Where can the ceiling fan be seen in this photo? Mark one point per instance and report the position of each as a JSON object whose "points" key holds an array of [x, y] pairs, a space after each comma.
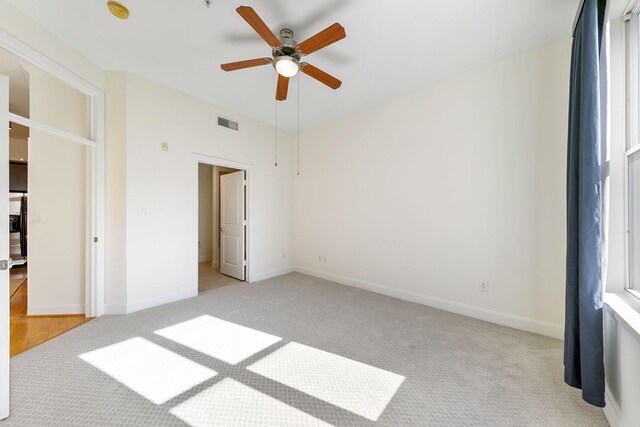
{"points": [[287, 53]]}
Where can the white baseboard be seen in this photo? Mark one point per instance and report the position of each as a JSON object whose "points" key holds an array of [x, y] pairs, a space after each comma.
{"points": [[215, 264], [115, 309], [205, 258], [611, 411], [256, 277], [43, 310], [165, 299], [504, 319]]}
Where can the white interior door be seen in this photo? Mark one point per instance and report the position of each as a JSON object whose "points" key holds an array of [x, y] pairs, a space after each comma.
{"points": [[4, 247], [232, 225]]}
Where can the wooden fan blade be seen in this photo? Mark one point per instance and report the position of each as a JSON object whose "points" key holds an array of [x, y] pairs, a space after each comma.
{"points": [[324, 38], [232, 66], [283, 88], [258, 25], [320, 75]]}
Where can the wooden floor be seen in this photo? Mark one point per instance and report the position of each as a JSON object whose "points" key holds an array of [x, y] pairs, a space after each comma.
{"points": [[29, 331]]}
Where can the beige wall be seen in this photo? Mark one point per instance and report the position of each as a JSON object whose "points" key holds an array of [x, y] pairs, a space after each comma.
{"points": [[57, 200], [427, 196], [28, 31], [18, 150], [116, 194], [162, 250]]}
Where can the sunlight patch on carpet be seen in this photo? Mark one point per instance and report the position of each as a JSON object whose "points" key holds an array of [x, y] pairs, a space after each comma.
{"points": [[218, 338], [231, 403], [357, 387], [152, 371]]}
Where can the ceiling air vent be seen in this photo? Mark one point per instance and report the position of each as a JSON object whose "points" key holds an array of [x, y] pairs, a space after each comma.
{"points": [[227, 123]]}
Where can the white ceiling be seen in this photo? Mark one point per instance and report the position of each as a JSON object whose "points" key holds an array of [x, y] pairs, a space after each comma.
{"points": [[392, 47]]}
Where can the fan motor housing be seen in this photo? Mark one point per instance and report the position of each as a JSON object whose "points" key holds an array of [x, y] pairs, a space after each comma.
{"points": [[289, 45]]}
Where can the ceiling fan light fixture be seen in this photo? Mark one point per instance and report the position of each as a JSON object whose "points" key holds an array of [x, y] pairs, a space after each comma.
{"points": [[286, 66]]}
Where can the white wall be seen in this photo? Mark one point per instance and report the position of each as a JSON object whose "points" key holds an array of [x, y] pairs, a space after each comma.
{"points": [[205, 212], [622, 353], [425, 197], [57, 194], [162, 248]]}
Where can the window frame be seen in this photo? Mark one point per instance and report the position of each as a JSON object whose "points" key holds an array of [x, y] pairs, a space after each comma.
{"points": [[632, 123]]}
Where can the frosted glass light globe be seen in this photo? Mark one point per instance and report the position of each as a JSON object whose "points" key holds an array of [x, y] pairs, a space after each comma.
{"points": [[287, 66]]}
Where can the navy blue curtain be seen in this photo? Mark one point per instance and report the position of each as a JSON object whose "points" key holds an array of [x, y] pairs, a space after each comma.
{"points": [[583, 345]]}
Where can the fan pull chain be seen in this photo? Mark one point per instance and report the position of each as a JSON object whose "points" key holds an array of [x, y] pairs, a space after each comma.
{"points": [[298, 149], [276, 133]]}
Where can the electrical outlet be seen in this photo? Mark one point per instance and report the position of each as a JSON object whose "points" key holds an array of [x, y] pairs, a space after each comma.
{"points": [[319, 258], [324, 258], [284, 255], [484, 287], [165, 146]]}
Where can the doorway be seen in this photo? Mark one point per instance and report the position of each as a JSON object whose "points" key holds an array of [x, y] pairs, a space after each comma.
{"points": [[222, 226], [56, 143], [47, 205]]}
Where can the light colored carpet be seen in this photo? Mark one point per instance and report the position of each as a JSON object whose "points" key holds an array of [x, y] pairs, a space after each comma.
{"points": [[294, 350], [210, 278]]}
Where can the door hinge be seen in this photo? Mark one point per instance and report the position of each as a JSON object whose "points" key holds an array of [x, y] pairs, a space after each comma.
{"points": [[244, 262], [244, 222], [244, 182], [4, 264]]}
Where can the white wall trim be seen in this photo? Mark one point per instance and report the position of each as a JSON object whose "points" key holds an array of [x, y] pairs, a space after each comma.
{"points": [[4, 252], [504, 319], [51, 130], [248, 168], [165, 299], [115, 309], [42, 310], [611, 411], [273, 273]]}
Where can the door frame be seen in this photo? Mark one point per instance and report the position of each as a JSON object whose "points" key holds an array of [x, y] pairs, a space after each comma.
{"points": [[4, 298], [248, 169], [95, 163]]}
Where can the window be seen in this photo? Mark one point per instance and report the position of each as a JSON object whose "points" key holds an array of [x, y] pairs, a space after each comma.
{"points": [[632, 153]]}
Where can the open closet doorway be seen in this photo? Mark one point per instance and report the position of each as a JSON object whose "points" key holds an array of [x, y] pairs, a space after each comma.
{"points": [[222, 226]]}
